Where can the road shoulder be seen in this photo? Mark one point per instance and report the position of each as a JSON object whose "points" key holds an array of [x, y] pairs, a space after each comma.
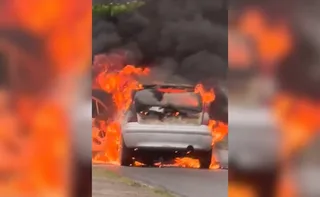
{"points": [[108, 184]]}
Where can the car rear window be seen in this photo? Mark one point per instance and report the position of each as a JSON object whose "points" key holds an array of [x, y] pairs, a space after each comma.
{"points": [[180, 100]]}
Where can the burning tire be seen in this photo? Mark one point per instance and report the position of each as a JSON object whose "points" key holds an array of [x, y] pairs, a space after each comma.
{"points": [[205, 158], [126, 155]]}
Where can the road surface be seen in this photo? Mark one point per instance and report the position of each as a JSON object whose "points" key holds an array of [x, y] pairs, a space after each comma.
{"points": [[181, 181]]}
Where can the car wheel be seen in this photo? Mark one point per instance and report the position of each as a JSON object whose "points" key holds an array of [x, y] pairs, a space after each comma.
{"points": [[126, 155], [205, 159]]}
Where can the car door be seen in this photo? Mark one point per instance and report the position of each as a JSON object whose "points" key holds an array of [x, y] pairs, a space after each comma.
{"points": [[98, 134]]}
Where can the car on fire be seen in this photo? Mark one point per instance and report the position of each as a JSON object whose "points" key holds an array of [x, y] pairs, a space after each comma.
{"points": [[165, 122], [102, 109]]}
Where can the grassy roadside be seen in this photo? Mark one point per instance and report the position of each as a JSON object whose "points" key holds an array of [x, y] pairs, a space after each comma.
{"points": [[105, 174]]}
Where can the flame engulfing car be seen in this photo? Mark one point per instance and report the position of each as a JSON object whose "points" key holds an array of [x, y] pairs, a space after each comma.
{"points": [[102, 109], [164, 122]]}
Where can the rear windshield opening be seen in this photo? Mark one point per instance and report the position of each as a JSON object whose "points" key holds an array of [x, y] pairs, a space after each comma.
{"points": [[180, 108], [182, 100]]}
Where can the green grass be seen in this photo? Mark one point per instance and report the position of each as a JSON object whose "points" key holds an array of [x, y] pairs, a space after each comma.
{"points": [[115, 9], [105, 173]]}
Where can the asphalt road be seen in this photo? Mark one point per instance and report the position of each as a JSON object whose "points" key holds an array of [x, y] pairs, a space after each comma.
{"points": [[181, 181]]}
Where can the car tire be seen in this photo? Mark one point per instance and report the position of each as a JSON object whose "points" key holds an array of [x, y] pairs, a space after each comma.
{"points": [[126, 155], [205, 158]]}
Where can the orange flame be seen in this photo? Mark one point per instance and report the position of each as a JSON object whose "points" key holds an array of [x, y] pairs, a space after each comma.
{"points": [[272, 39], [218, 129], [207, 96], [120, 85], [299, 120]]}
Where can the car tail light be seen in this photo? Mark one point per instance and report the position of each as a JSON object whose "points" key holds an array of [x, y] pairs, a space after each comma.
{"points": [[133, 118]]}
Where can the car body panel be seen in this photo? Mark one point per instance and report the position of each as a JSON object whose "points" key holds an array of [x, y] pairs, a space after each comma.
{"points": [[167, 133], [137, 135]]}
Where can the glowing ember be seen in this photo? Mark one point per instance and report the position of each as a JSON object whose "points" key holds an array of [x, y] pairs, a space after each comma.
{"points": [[137, 163], [187, 162]]}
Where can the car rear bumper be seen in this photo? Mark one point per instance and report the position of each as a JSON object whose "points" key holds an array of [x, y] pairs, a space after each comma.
{"points": [[168, 137]]}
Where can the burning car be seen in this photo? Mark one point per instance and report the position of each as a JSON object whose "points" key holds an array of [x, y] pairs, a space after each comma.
{"points": [[102, 109], [164, 122]]}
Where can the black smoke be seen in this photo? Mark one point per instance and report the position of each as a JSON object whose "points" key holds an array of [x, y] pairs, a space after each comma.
{"points": [[192, 34], [182, 41]]}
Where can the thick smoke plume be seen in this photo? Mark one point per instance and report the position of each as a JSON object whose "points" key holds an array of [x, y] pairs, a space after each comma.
{"points": [[183, 41]]}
